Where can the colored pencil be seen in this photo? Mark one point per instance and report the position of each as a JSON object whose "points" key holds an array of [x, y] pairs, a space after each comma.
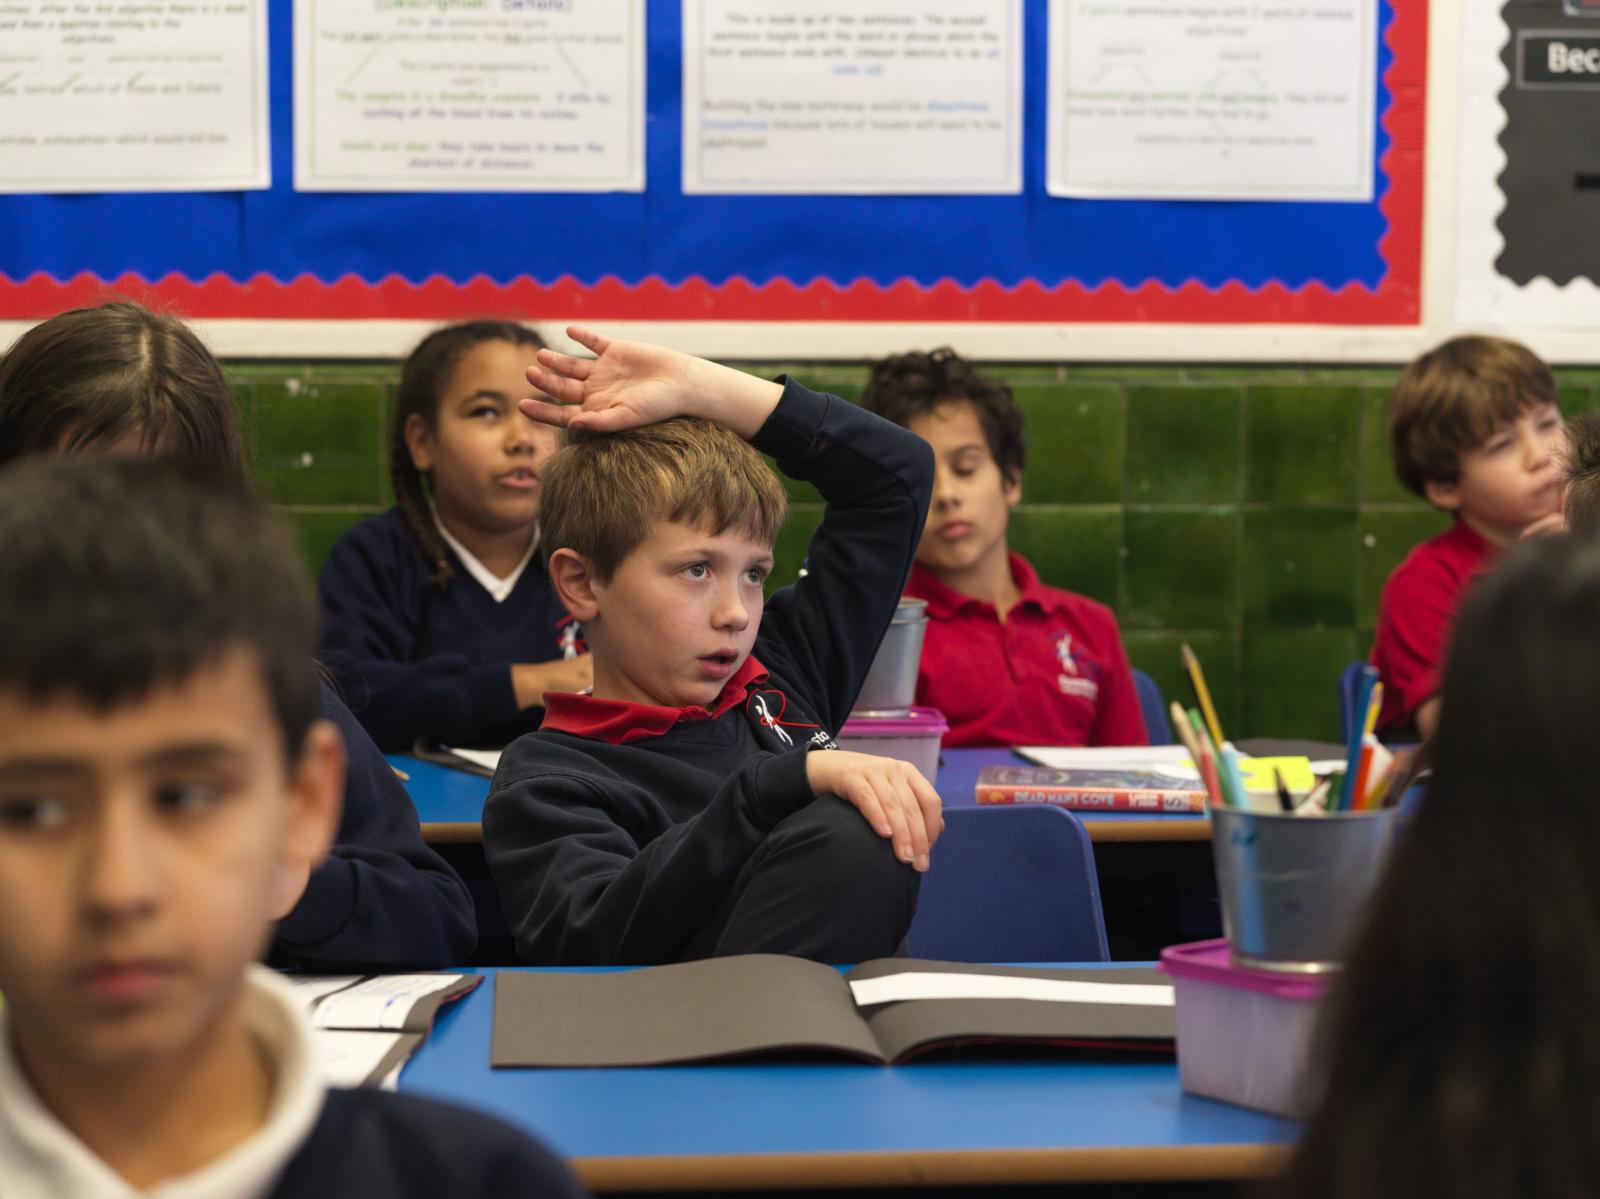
{"points": [[1285, 800], [1358, 729], [1203, 694]]}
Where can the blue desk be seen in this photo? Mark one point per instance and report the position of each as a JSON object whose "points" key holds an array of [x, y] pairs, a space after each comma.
{"points": [[950, 1122], [450, 802]]}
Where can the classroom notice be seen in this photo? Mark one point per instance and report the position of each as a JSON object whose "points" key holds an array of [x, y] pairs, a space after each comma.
{"points": [[817, 97], [1196, 99], [469, 95], [112, 95]]}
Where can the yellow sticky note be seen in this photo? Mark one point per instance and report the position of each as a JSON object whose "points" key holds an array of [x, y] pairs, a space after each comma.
{"points": [[1258, 774]]}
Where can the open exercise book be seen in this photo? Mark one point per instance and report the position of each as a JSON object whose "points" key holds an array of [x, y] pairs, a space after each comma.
{"points": [[368, 1026], [882, 1011]]}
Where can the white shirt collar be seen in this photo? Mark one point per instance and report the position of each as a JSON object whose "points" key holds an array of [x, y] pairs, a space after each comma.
{"points": [[497, 587], [41, 1159]]}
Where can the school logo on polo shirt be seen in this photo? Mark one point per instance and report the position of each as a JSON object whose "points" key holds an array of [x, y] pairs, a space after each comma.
{"points": [[766, 709], [1073, 679]]}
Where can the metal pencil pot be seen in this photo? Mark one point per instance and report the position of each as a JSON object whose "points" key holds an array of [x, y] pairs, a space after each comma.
{"points": [[891, 683]]}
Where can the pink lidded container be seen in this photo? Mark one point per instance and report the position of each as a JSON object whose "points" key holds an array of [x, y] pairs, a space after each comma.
{"points": [[913, 737], [1244, 1036]]}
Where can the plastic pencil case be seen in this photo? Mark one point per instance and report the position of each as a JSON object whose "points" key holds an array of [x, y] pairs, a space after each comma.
{"points": [[1244, 1036], [913, 738]]}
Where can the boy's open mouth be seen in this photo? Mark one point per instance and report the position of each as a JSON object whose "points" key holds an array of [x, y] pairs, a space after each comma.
{"points": [[521, 477]]}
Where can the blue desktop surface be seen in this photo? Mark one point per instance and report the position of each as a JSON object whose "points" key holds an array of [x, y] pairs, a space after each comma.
{"points": [[961, 1118]]}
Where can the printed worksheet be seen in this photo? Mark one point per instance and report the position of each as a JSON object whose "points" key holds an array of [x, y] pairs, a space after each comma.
{"points": [[109, 95], [852, 96]]}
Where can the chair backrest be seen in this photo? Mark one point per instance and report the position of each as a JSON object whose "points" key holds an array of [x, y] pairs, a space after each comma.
{"points": [[1153, 707], [1349, 690], [1010, 884]]}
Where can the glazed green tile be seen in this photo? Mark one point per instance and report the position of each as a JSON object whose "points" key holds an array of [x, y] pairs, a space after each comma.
{"points": [[1299, 444], [1582, 376], [1160, 655], [1183, 445], [1180, 569], [1356, 376], [1251, 376], [1575, 398], [317, 531], [1113, 372], [1074, 442], [789, 551], [1384, 538], [1020, 374], [1379, 484], [1299, 567], [320, 443], [1072, 547], [1289, 682]]}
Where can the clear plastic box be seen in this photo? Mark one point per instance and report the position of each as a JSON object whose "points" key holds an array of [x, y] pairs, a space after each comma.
{"points": [[913, 737], [1244, 1036]]}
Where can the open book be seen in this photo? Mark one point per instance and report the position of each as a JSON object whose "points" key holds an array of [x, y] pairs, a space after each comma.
{"points": [[882, 1011], [473, 761], [367, 1027]]}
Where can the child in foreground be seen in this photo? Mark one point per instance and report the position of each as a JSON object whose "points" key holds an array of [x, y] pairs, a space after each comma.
{"points": [[1007, 659], [695, 803], [439, 619], [1460, 1047], [120, 379], [1475, 430], [165, 790]]}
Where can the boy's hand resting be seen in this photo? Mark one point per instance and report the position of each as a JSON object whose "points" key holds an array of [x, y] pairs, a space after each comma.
{"points": [[530, 680], [893, 797], [630, 383]]}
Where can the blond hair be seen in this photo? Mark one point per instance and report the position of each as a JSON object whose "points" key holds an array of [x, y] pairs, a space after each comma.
{"points": [[601, 495], [1453, 397]]}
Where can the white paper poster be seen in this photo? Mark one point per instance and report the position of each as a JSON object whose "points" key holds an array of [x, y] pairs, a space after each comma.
{"points": [[816, 97], [1192, 99], [469, 95], [158, 95]]}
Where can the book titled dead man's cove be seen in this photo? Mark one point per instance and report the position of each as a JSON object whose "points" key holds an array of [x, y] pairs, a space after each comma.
{"points": [[1088, 790]]}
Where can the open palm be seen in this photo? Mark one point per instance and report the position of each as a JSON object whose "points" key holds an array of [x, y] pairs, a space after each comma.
{"points": [[627, 383]]}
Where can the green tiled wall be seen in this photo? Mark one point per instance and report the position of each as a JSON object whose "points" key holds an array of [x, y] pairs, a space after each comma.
{"points": [[1248, 511]]}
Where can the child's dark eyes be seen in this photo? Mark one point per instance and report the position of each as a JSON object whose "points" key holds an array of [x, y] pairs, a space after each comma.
{"points": [[757, 575], [32, 813], [697, 570], [187, 796]]}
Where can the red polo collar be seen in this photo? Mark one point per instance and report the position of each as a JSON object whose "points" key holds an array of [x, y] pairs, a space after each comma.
{"points": [[945, 601], [619, 721]]}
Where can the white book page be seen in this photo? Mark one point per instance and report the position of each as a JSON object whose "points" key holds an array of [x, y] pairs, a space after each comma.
{"points": [[378, 1003], [346, 1058], [1170, 761], [893, 988], [161, 95], [819, 97], [488, 758], [309, 988]]}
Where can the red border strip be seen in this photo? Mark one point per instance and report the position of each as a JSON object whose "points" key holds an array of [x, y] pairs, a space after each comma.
{"points": [[1396, 301]]}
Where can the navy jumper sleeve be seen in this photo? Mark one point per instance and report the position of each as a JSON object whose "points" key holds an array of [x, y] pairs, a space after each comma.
{"points": [[382, 900]]}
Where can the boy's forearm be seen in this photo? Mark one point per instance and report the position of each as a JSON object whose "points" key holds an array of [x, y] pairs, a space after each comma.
{"points": [[730, 397]]}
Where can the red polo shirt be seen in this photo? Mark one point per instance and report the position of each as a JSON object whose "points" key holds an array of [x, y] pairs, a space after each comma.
{"points": [[1052, 673], [1415, 614]]}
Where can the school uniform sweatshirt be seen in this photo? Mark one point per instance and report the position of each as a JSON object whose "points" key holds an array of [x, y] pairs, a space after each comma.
{"points": [[613, 832], [381, 900], [413, 660]]}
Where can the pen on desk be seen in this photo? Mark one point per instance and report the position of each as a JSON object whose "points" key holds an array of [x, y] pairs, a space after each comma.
{"points": [[400, 774], [1203, 694], [1285, 800]]}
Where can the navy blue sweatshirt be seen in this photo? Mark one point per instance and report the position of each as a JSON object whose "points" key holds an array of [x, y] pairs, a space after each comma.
{"points": [[414, 661], [406, 1147], [614, 831], [382, 900]]}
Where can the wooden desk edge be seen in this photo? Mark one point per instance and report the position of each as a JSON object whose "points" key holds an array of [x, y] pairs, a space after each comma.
{"points": [[1186, 1163], [452, 832]]}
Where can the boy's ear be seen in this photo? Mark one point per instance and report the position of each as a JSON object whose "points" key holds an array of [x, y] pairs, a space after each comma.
{"points": [[1011, 489], [575, 584], [1446, 496], [315, 798], [419, 441]]}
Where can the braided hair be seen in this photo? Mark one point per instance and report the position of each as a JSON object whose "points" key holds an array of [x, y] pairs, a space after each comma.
{"points": [[422, 379]]}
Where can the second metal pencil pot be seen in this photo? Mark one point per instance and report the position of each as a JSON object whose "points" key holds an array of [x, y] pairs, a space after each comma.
{"points": [[1293, 887]]}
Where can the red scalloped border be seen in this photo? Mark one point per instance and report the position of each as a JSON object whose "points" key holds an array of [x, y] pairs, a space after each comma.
{"points": [[1397, 300]]}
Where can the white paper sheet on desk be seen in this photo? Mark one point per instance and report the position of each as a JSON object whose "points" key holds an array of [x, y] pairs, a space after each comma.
{"points": [[489, 759], [350, 1059], [309, 988], [892, 988], [1172, 760], [381, 1002]]}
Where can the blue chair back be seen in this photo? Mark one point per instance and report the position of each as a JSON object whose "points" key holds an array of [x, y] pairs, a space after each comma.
{"points": [[1153, 707], [1349, 690], [1010, 884]]}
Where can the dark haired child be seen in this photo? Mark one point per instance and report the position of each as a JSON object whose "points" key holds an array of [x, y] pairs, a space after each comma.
{"points": [[120, 379], [1582, 501], [1007, 659], [1459, 1048], [439, 619], [166, 787], [1474, 430], [696, 803]]}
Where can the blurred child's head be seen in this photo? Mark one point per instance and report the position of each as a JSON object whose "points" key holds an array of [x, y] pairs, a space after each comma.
{"points": [[457, 425], [661, 541], [117, 378], [1461, 1047], [1583, 474], [164, 785], [975, 428], [1475, 430]]}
